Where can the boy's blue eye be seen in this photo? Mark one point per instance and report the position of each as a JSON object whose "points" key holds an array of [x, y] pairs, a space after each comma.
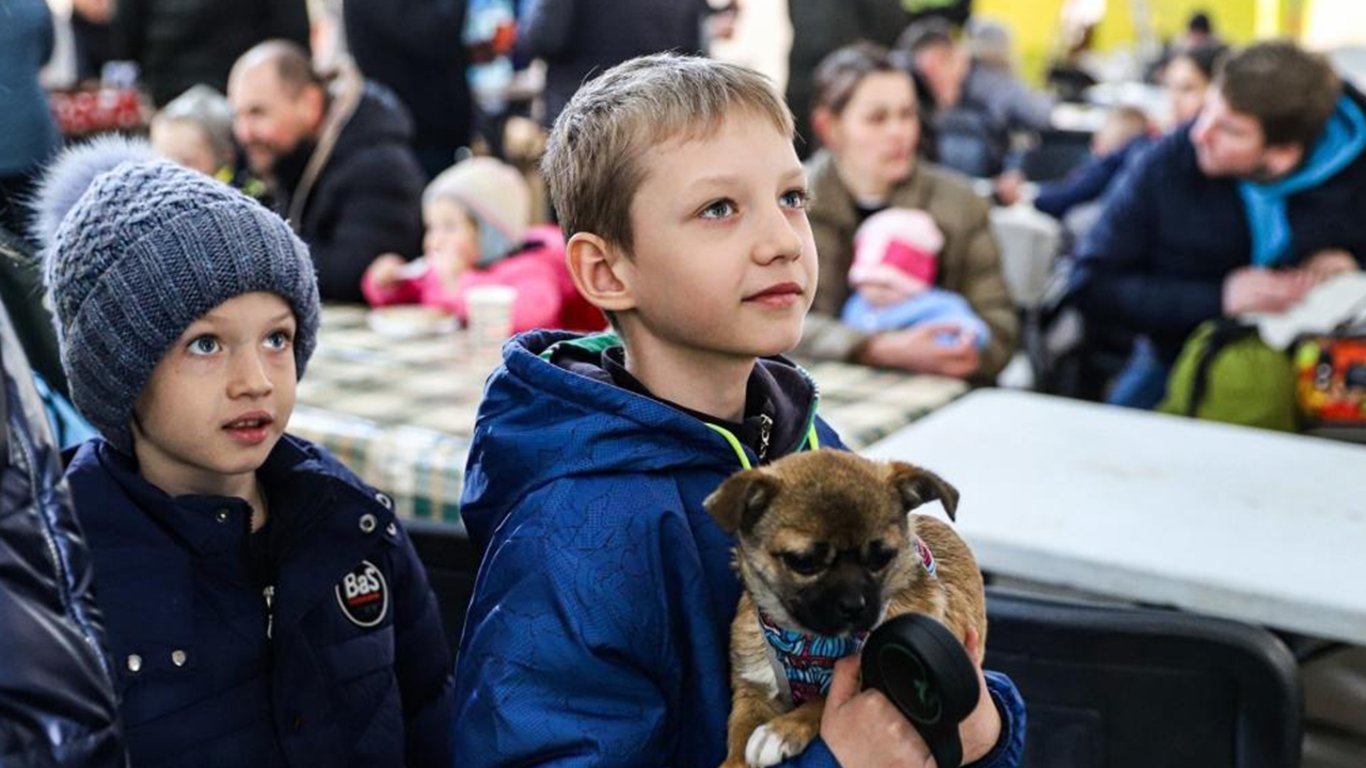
{"points": [[794, 198], [718, 210], [204, 345], [278, 340]]}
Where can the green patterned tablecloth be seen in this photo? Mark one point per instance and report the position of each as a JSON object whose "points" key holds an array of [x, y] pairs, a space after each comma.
{"points": [[400, 412]]}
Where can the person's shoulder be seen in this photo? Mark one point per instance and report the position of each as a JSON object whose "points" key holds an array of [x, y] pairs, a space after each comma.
{"points": [[830, 199], [946, 182], [308, 457], [1169, 156], [947, 195], [88, 466], [585, 517]]}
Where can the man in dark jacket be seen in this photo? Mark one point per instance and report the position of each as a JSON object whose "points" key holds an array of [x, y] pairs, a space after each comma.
{"points": [[1242, 211], [579, 39], [55, 689], [338, 159], [416, 48], [180, 43]]}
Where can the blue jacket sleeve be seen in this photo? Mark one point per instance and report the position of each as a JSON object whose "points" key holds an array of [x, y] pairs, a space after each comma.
{"points": [[422, 664], [567, 656], [1086, 183], [1115, 282], [1009, 749]]}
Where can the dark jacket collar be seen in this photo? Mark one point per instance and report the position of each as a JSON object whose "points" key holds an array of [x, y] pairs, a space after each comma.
{"points": [[290, 477]]}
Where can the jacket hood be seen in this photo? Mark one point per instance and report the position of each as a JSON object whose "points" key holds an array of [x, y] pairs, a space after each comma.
{"points": [[540, 422]]}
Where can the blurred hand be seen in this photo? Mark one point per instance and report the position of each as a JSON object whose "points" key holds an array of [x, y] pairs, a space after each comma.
{"points": [[385, 270], [1008, 187], [94, 11], [1328, 264], [982, 729], [864, 728], [1254, 289], [721, 24], [919, 350]]}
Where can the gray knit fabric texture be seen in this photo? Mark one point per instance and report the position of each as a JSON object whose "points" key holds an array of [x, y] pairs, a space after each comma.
{"points": [[148, 248]]}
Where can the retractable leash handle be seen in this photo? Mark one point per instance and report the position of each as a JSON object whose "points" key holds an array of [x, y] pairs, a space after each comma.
{"points": [[919, 665]]}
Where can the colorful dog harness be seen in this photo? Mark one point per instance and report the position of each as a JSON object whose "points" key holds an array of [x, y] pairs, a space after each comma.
{"points": [[803, 663]]}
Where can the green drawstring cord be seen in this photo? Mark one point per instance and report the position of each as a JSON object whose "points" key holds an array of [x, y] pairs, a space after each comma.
{"points": [[812, 442]]}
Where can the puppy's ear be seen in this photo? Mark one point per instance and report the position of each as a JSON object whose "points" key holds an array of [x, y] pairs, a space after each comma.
{"points": [[741, 500], [918, 486]]}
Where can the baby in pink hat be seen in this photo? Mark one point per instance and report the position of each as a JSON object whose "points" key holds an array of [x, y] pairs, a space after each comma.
{"points": [[896, 259]]}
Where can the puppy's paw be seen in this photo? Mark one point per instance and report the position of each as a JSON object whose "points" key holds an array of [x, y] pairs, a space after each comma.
{"points": [[774, 742]]}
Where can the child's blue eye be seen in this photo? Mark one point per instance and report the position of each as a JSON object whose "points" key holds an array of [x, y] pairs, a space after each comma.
{"points": [[204, 345], [718, 210], [794, 198], [278, 340]]}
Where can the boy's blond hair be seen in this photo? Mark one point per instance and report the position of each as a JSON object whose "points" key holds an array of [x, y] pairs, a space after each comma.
{"points": [[592, 161]]}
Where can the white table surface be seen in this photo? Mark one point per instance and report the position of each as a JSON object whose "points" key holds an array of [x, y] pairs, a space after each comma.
{"points": [[1258, 526]]}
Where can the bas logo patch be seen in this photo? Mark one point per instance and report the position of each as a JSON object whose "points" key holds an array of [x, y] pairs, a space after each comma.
{"points": [[363, 595]]}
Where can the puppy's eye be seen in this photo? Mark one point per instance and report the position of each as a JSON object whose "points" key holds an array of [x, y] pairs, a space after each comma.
{"points": [[803, 564], [879, 557]]}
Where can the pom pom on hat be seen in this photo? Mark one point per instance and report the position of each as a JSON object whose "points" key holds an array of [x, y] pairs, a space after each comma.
{"points": [[67, 180], [135, 249]]}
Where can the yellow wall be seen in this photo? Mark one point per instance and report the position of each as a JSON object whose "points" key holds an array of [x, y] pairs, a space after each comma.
{"points": [[1035, 23]]}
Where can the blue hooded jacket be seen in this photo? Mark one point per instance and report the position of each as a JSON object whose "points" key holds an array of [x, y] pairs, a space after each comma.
{"points": [[599, 629]]}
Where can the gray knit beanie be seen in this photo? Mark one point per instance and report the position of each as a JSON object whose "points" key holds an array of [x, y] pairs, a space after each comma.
{"points": [[135, 249]]}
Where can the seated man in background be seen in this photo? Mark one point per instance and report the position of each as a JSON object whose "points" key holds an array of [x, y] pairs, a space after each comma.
{"points": [[971, 100], [337, 160], [1243, 211]]}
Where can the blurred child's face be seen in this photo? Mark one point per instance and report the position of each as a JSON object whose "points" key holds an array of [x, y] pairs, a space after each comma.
{"points": [[724, 263], [452, 239], [1187, 85], [885, 294], [219, 399], [185, 144]]}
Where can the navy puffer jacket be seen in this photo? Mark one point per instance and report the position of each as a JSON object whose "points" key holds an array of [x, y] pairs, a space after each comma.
{"points": [[56, 701]]}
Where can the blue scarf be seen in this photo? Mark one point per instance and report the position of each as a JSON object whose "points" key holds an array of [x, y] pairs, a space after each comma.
{"points": [[805, 663], [1342, 140]]}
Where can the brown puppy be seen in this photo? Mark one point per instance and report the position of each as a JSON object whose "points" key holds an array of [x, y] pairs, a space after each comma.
{"points": [[827, 550]]}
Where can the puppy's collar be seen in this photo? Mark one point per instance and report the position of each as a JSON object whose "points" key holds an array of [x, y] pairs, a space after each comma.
{"points": [[803, 664], [926, 557]]}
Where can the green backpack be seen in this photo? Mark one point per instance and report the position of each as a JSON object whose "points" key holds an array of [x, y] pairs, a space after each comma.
{"points": [[1227, 373]]}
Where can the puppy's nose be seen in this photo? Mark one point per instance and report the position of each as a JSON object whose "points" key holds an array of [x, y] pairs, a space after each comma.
{"points": [[851, 606]]}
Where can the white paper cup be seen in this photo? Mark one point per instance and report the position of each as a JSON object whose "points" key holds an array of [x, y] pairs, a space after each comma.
{"points": [[489, 323]]}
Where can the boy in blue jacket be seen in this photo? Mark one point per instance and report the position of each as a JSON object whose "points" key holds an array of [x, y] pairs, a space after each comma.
{"points": [[599, 629], [263, 606]]}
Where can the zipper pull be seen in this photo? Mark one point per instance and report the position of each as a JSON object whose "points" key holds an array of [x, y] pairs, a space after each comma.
{"points": [[765, 432], [269, 594]]}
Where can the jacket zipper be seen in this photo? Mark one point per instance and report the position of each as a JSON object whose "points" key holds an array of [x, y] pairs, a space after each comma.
{"points": [[765, 432], [269, 594]]}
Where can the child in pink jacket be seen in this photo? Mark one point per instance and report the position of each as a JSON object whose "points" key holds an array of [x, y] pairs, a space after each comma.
{"points": [[477, 234]]}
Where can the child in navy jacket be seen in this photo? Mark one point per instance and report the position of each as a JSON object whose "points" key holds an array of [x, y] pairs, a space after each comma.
{"points": [[264, 607]]}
